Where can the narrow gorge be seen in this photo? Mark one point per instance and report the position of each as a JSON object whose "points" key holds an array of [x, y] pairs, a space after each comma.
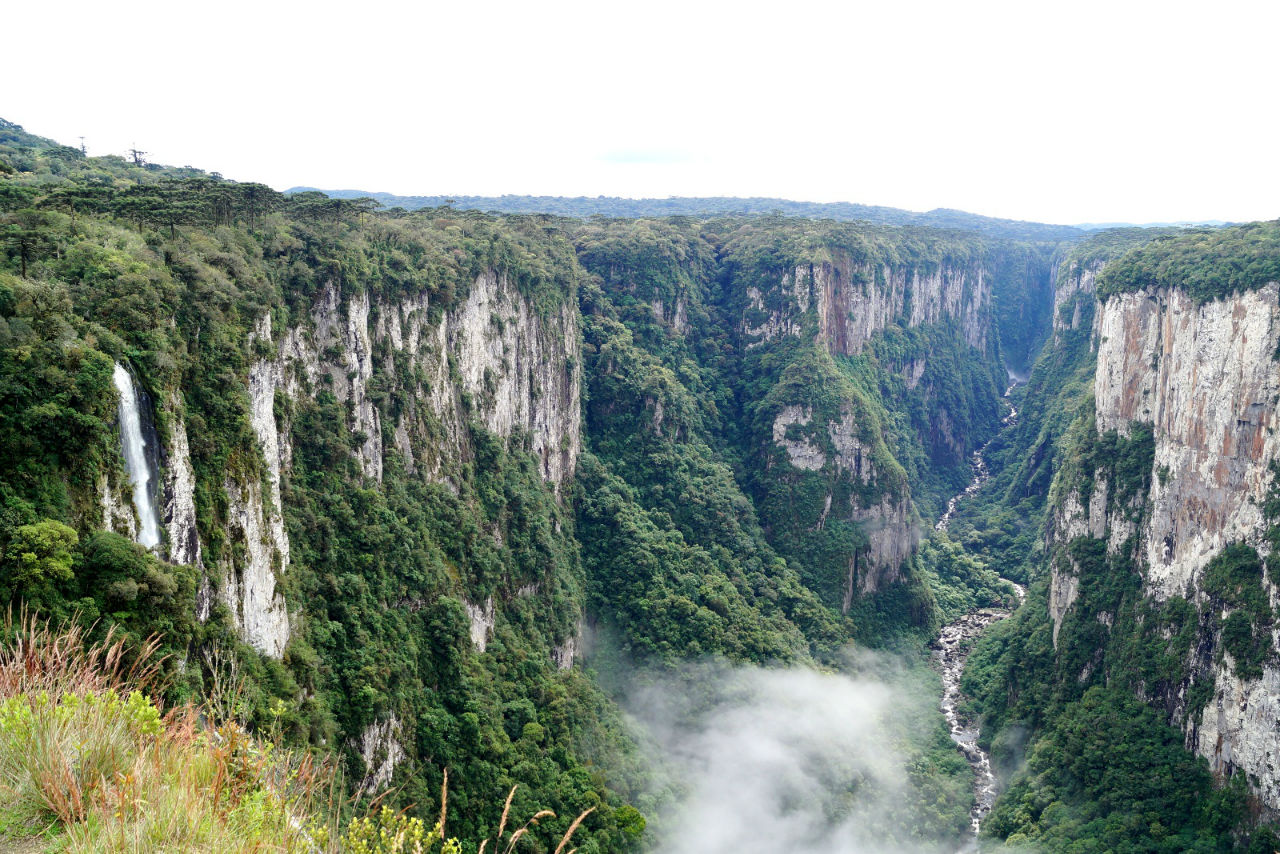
{"points": [[953, 644], [575, 504]]}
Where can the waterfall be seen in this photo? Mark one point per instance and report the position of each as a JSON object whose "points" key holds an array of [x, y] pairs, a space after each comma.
{"points": [[139, 458]]}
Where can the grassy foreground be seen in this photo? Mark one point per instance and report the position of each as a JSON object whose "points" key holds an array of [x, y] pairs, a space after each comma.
{"points": [[89, 762]]}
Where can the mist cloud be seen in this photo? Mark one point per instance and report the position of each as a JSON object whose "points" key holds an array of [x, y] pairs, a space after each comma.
{"points": [[773, 760]]}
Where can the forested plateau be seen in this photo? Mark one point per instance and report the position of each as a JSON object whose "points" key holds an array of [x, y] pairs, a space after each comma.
{"points": [[442, 490]]}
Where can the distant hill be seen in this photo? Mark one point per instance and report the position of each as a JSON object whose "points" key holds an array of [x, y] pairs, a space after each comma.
{"points": [[611, 206], [1199, 223]]}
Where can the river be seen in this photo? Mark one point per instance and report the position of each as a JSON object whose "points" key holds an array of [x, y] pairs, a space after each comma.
{"points": [[951, 651], [981, 474]]}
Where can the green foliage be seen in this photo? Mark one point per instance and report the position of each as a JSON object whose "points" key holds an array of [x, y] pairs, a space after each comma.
{"points": [[959, 581], [687, 532], [381, 576], [606, 206], [672, 545], [1233, 581], [38, 556], [671, 598], [1004, 522], [390, 832], [131, 589], [1022, 288], [793, 500], [1090, 709], [173, 276], [1111, 772], [1207, 264]]}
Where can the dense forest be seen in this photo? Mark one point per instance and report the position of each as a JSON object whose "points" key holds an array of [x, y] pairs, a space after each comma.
{"points": [[608, 206], [442, 490]]}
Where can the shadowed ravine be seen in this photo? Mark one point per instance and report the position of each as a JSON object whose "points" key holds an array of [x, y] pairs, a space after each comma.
{"points": [[980, 471], [951, 651]]}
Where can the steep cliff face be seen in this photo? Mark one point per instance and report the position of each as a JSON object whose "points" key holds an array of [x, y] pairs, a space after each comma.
{"points": [[1201, 377], [1205, 378], [897, 336], [251, 572], [175, 493], [249, 575], [1074, 287], [179, 504], [367, 428], [886, 519], [852, 302], [117, 509], [381, 750], [491, 359], [497, 361]]}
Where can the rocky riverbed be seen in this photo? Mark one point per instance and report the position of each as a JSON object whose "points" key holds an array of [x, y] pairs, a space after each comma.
{"points": [[951, 650]]}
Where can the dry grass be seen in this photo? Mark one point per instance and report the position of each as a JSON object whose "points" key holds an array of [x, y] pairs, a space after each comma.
{"points": [[90, 763], [34, 658], [85, 754]]}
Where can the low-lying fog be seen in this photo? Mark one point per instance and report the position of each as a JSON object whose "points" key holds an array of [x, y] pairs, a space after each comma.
{"points": [[795, 760]]}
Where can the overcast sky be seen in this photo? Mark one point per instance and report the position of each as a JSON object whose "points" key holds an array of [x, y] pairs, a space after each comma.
{"points": [[1087, 111]]}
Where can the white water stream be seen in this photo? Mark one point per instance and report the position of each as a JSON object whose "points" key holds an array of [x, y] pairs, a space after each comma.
{"points": [[951, 651], [134, 445]]}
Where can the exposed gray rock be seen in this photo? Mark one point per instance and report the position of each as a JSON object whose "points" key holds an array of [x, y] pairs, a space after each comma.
{"points": [[1204, 378], [179, 511], [564, 654], [802, 454], [381, 749], [855, 301], [249, 588], [482, 619], [117, 510]]}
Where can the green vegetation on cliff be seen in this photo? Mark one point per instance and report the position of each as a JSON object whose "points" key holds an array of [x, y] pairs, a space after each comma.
{"points": [[1085, 692], [722, 206], [1208, 264], [774, 411]]}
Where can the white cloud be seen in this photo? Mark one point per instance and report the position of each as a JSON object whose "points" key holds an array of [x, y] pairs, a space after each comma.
{"points": [[782, 760]]}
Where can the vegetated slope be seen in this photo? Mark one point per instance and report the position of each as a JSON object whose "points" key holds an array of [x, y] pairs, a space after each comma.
{"points": [[371, 484], [1207, 264], [608, 206], [1148, 628], [1004, 524], [90, 763], [406, 457], [413, 607], [802, 386]]}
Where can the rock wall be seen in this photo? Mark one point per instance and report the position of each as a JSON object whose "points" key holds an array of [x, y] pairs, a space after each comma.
{"points": [[888, 522], [1205, 378], [844, 305], [381, 749], [481, 618], [854, 302], [1073, 518], [1074, 286], [117, 507], [178, 511], [249, 570], [492, 359], [495, 360], [176, 494]]}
